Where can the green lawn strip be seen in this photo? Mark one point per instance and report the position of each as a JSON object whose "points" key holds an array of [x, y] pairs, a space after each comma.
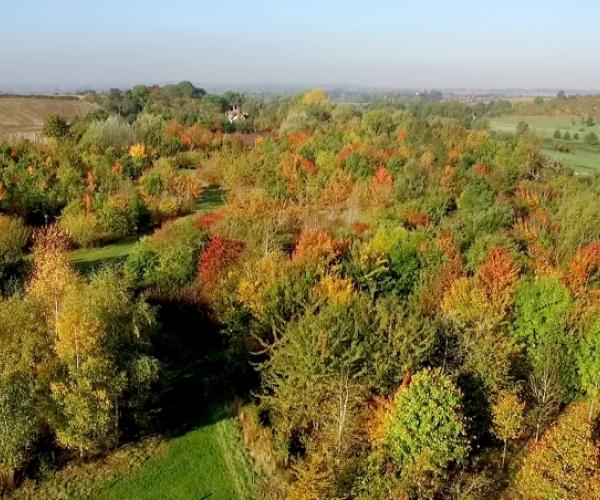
{"points": [[86, 259], [207, 462]]}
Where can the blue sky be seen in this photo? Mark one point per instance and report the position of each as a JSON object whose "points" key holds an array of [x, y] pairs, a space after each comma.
{"points": [[460, 43]]}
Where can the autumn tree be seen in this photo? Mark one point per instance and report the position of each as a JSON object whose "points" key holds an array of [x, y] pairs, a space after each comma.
{"points": [[564, 463], [52, 275], [508, 418], [99, 333]]}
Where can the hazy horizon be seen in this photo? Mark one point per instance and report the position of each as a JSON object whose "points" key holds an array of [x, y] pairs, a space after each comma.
{"points": [[387, 44]]}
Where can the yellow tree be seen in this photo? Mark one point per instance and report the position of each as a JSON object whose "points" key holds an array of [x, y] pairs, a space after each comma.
{"points": [[564, 463], [52, 275], [508, 418]]}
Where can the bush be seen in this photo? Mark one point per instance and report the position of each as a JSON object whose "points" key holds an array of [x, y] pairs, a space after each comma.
{"points": [[13, 237], [124, 214], [114, 131], [84, 228], [55, 126], [359, 166], [169, 257], [591, 139]]}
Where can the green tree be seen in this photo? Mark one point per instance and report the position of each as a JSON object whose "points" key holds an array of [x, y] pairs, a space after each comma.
{"points": [[540, 321], [557, 134], [425, 429], [561, 95], [13, 238], [567, 136], [590, 122], [564, 463], [588, 362], [56, 126], [591, 139], [20, 424]]}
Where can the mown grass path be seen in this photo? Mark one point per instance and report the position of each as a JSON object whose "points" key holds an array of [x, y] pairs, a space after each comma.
{"points": [[207, 462], [86, 259]]}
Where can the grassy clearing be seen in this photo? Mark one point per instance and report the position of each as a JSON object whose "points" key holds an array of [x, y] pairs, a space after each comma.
{"points": [[545, 126], [580, 156], [208, 462], [87, 259], [86, 479]]}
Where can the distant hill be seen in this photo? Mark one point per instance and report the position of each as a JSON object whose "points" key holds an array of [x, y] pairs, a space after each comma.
{"points": [[25, 115]]}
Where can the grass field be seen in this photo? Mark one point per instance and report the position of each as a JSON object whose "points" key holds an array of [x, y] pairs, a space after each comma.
{"points": [[581, 157], [208, 462], [87, 258], [25, 116]]}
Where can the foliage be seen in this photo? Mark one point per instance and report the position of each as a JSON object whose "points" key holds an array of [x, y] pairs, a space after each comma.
{"points": [[56, 126], [564, 463], [13, 238], [425, 428]]}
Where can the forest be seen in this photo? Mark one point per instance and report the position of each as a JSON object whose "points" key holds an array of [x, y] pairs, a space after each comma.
{"points": [[393, 300]]}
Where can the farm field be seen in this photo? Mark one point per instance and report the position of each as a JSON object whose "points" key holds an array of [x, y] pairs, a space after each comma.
{"points": [[24, 116], [581, 157]]}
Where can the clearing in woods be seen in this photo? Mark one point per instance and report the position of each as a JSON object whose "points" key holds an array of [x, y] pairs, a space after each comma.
{"points": [[25, 116]]}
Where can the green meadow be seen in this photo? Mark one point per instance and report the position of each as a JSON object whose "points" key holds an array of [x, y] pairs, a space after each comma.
{"points": [[574, 153]]}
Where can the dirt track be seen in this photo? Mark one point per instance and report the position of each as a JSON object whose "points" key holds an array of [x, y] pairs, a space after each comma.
{"points": [[24, 116]]}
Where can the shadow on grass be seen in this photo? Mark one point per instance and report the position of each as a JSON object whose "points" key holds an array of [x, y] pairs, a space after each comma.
{"points": [[198, 382], [210, 198]]}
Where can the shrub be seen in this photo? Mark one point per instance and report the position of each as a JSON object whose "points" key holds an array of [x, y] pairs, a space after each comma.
{"points": [[13, 237], [56, 126], [124, 214], [168, 258], [114, 131], [219, 253], [591, 139], [83, 228]]}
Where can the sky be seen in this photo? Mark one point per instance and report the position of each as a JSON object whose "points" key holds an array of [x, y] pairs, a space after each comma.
{"points": [[380, 43]]}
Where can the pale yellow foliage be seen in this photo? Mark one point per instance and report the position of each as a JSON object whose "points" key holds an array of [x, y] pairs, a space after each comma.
{"points": [[79, 329], [335, 289], [138, 151], [315, 96]]}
